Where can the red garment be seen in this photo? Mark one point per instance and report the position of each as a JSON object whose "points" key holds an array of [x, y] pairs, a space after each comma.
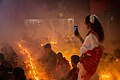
{"points": [[90, 63]]}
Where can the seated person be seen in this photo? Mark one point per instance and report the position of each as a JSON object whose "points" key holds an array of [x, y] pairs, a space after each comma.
{"points": [[49, 60], [10, 55], [5, 68], [19, 74], [62, 67], [73, 74]]}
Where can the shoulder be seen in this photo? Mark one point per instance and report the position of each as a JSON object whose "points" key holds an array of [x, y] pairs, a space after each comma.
{"points": [[95, 35], [65, 60], [92, 37], [52, 52]]}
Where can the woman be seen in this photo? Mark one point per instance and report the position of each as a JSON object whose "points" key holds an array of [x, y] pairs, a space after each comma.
{"points": [[91, 49]]}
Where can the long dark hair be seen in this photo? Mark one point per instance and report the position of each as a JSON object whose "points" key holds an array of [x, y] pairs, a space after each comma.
{"points": [[96, 26]]}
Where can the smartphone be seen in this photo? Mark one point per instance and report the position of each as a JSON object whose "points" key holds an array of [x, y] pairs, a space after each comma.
{"points": [[75, 28]]}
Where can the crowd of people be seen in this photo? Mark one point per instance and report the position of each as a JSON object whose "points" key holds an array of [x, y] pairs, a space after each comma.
{"points": [[8, 65], [55, 65], [91, 51], [83, 66]]}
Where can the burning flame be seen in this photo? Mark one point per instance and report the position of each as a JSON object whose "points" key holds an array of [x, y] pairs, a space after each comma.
{"points": [[53, 42], [33, 70], [105, 77]]}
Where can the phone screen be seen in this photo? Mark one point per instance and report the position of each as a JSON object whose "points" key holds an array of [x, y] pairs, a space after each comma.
{"points": [[75, 28]]}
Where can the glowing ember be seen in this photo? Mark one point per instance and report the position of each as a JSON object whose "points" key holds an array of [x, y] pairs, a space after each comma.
{"points": [[116, 60], [105, 76], [30, 63], [52, 42]]}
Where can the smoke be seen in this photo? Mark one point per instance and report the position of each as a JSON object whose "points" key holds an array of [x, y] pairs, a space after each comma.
{"points": [[9, 20], [38, 22], [14, 12], [51, 25]]}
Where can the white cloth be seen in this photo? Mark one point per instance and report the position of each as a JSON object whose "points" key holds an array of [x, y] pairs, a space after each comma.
{"points": [[82, 71], [90, 43]]}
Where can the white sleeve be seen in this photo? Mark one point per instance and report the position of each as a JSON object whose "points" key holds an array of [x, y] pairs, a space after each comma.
{"points": [[90, 43]]}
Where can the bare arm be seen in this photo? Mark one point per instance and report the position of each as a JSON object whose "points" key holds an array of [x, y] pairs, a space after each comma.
{"points": [[81, 39], [77, 34]]}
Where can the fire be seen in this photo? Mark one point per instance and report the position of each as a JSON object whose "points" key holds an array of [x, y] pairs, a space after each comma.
{"points": [[53, 42], [105, 77], [33, 72]]}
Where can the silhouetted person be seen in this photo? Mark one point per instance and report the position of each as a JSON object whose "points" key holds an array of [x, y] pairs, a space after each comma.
{"points": [[91, 49], [10, 54], [62, 67], [19, 74], [49, 59], [73, 74], [5, 68]]}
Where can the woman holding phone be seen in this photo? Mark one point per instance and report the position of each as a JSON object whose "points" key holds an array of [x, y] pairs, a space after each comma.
{"points": [[91, 49]]}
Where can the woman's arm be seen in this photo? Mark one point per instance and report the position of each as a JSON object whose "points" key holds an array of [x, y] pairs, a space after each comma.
{"points": [[81, 39], [77, 34]]}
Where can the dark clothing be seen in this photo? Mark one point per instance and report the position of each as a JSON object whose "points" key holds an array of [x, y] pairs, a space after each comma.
{"points": [[23, 77], [7, 64], [50, 61], [19, 74], [10, 55], [4, 72], [61, 69], [73, 74]]}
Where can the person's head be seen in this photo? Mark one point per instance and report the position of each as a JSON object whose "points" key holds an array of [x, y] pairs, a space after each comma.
{"points": [[74, 60], [93, 23], [2, 58], [19, 73], [117, 53], [59, 56], [4, 49], [47, 48]]}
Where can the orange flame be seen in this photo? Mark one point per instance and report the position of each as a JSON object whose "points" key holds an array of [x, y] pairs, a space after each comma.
{"points": [[105, 77], [33, 70]]}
